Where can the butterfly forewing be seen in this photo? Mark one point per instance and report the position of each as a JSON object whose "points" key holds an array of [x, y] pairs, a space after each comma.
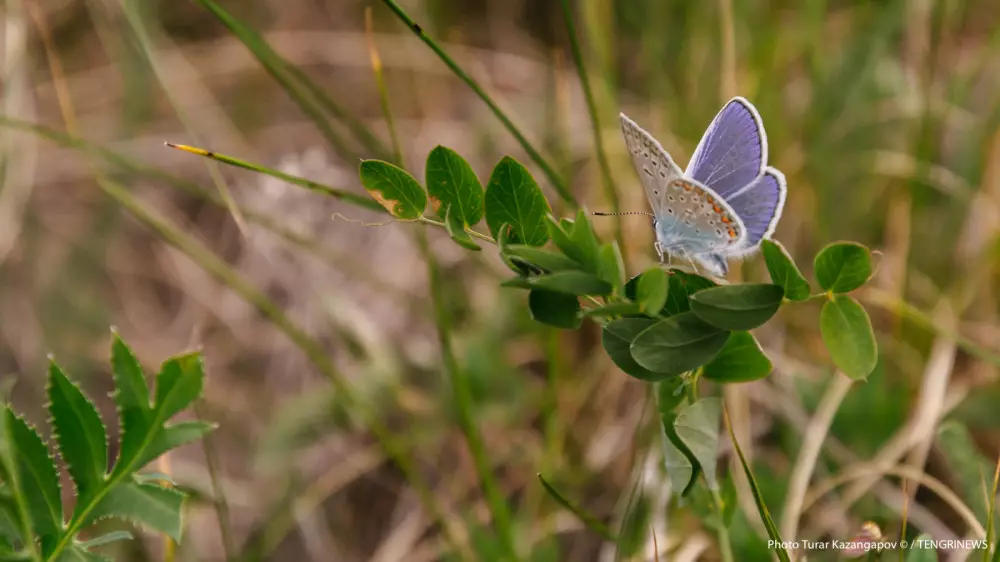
{"points": [[655, 167], [733, 151]]}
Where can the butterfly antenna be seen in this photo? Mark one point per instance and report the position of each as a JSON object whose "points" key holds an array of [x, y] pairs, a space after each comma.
{"points": [[622, 213]]}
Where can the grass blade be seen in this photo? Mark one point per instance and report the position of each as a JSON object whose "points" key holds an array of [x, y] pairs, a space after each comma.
{"points": [[765, 515], [587, 519]]}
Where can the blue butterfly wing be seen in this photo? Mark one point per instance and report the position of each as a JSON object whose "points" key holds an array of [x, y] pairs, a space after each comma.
{"points": [[759, 205], [733, 151]]}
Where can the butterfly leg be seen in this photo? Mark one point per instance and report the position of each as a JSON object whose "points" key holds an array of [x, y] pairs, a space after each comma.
{"points": [[693, 266], [659, 250]]}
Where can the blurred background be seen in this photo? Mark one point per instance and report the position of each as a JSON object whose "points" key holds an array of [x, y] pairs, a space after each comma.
{"points": [[884, 116]]}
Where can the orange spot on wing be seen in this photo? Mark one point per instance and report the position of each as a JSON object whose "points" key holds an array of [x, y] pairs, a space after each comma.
{"points": [[715, 207], [725, 220], [732, 233]]}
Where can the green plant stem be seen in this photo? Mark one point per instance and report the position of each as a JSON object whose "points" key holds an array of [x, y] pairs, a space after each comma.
{"points": [[725, 546], [610, 191], [219, 495], [312, 349], [464, 405], [557, 182]]}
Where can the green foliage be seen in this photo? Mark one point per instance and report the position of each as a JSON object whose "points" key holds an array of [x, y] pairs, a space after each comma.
{"points": [[651, 292], [737, 307], [31, 496], [741, 360], [394, 189], [843, 267], [555, 309], [847, 333], [453, 187], [678, 344], [784, 272], [513, 198]]}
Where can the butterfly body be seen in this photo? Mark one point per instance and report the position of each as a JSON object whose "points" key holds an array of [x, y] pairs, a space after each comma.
{"points": [[725, 203]]}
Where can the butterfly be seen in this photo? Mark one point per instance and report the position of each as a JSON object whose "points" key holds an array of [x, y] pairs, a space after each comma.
{"points": [[725, 203]]}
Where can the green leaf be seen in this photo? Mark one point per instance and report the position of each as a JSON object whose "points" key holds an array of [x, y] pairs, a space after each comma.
{"points": [[682, 286], [394, 189], [784, 272], [513, 197], [678, 344], [848, 335], [682, 467], [651, 293], [171, 437], [737, 307], [458, 233], [614, 309], [132, 398], [38, 479], [587, 519], [729, 499], [697, 426], [922, 553], [610, 266], [503, 238], [584, 239], [572, 283], [80, 434], [741, 360], [554, 309], [178, 384], [78, 553], [560, 235], [617, 336], [517, 283], [842, 267], [635, 527], [670, 394], [150, 505], [544, 259], [453, 185]]}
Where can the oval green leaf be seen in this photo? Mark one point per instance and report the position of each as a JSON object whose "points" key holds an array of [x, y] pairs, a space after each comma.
{"points": [[678, 344], [737, 307], [554, 309], [697, 426], [453, 186], [394, 189], [617, 336], [741, 360], [513, 197], [585, 241], [848, 335], [680, 286], [784, 272], [571, 283], [610, 266], [842, 267], [544, 259], [614, 309], [651, 292]]}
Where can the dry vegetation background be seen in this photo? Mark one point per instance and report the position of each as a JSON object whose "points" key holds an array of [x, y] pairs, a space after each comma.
{"points": [[883, 115]]}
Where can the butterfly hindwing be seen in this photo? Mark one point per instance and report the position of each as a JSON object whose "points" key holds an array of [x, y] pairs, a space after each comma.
{"points": [[733, 151], [696, 220], [655, 167], [759, 206]]}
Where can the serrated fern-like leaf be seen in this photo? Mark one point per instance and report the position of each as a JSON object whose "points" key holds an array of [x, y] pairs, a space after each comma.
{"points": [[147, 504], [178, 384], [132, 399], [38, 478], [79, 432]]}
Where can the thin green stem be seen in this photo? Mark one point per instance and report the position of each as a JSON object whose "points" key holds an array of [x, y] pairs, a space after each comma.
{"points": [[725, 546], [380, 83], [219, 495], [558, 182], [610, 190], [464, 405]]}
